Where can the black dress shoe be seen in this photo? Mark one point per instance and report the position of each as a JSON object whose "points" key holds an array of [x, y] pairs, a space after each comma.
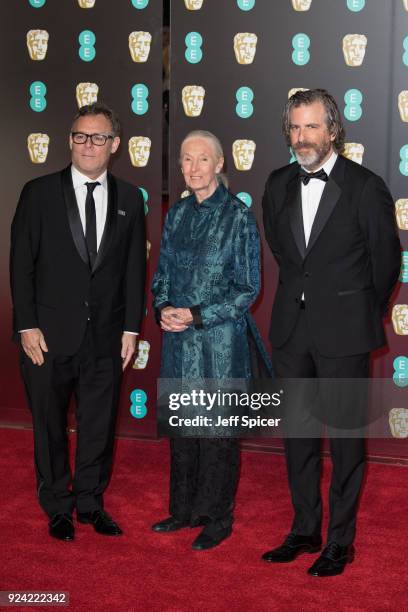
{"points": [[205, 541], [293, 546], [62, 527], [169, 524], [332, 561], [101, 522]]}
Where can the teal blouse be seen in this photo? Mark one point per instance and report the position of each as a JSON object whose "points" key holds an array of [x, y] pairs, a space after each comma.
{"points": [[209, 262]]}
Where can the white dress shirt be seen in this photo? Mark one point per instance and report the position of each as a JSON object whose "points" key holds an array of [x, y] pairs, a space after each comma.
{"points": [[100, 195], [311, 196]]}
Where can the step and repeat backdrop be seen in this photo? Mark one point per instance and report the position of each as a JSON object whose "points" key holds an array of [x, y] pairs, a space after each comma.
{"points": [[233, 66], [58, 55]]}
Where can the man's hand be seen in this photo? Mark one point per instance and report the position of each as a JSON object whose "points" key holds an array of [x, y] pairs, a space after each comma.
{"points": [[34, 345], [175, 319], [128, 348]]}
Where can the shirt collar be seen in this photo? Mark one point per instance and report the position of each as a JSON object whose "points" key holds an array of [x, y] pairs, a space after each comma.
{"points": [[79, 179], [328, 166]]}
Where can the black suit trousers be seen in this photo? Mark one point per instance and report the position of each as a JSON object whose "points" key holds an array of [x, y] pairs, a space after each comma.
{"points": [[299, 358], [95, 383]]}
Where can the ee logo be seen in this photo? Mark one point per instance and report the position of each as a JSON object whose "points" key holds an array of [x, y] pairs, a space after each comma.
{"points": [[246, 5], [193, 53], [139, 94], [140, 4], [87, 40], [37, 3], [300, 54], [404, 268], [400, 376], [138, 400], [145, 199], [244, 97], [405, 54], [38, 91], [355, 5], [403, 167], [245, 198], [353, 99]]}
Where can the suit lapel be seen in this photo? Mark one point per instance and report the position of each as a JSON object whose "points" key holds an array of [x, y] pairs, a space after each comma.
{"points": [[293, 203], [73, 215], [330, 197], [110, 224]]}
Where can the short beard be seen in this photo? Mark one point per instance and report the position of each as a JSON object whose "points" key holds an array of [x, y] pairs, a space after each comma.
{"points": [[312, 159]]}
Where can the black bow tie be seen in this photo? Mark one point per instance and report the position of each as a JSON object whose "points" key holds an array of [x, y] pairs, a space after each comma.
{"points": [[306, 176]]}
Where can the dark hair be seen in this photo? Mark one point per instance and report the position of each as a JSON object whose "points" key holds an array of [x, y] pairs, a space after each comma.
{"points": [[99, 108], [333, 117]]}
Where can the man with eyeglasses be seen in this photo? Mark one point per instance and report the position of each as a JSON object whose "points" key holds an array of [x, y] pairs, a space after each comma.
{"points": [[78, 255]]}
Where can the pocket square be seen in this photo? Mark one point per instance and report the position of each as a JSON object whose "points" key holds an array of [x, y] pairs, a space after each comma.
{"points": [[122, 212]]}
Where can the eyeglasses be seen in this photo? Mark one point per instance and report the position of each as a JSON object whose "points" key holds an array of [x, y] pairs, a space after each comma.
{"points": [[97, 139]]}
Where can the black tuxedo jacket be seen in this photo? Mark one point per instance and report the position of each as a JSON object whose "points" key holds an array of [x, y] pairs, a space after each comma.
{"points": [[351, 263], [53, 287]]}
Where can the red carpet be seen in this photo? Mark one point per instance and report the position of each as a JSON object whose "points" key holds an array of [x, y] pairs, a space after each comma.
{"points": [[147, 571]]}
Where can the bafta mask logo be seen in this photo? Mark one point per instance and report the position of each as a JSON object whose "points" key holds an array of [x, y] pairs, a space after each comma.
{"points": [[301, 5], [403, 105], [193, 100], [354, 151], [139, 150], [243, 152], [85, 4], [400, 319], [401, 212], [193, 5], [354, 48], [38, 147], [398, 420], [86, 93], [245, 47], [37, 44], [139, 46], [294, 90], [142, 355], [148, 249]]}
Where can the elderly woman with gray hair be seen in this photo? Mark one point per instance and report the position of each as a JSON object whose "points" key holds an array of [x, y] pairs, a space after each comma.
{"points": [[207, 278]]}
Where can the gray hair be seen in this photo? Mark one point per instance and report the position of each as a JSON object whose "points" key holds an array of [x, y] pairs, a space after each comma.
{"points": [[333, 117], [216, 145], [99, 108]]}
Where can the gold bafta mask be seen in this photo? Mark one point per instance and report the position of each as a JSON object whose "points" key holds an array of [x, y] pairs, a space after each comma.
{"points": [[86, 3], [243, 152], [398, 420], [354, 48], [86, 93], [148, 248], [400, 319], [37, 44], [354, 151], [193, 5], [294, 90], [139, 46], [245, 47], [139, 150], [403, 104], [38, 147], [193, 100], [401, 212], [142, 355], [301, 5]]}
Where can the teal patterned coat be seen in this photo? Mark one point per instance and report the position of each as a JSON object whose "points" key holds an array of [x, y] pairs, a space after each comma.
{"points": [[209, 262]]}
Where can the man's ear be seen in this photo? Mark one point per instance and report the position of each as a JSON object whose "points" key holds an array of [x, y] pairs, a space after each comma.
{"points": [[115, 144]]}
